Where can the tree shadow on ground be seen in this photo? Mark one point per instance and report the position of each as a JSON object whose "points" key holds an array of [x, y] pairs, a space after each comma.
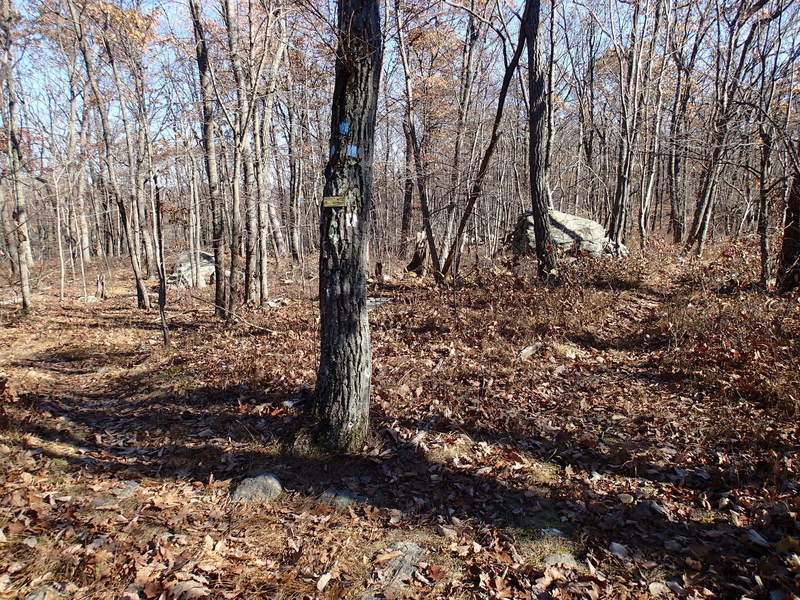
{"points": [[234, 432]]}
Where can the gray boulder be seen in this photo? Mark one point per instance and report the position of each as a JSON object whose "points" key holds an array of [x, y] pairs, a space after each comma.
{"points": [[339, 498], [262, 489], [570, 233], [181, 276]]}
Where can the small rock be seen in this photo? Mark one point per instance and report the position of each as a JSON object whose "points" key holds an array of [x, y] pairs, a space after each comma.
{"points": [[289, 403], [391, 581], [128, 489], [529, 351], [563, 351], [261, 489], [132, 592], [339, 498], [660, 510], [88, 299], [376, 302], [104, 503], [658, 589], [619, 551], [552, 532], [562, 558], [757, 538], [676, 587], [625, 498]]}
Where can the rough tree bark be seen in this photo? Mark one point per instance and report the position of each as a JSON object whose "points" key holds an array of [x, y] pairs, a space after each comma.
{"points": [[537, 147], [345, 367], [789, 272]]}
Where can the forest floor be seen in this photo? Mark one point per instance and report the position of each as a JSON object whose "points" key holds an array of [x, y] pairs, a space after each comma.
{"points": [[630, 433]]}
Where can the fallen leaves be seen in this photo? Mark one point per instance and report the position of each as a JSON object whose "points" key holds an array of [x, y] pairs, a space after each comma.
{"points": [[188, 590], [119, 479], [322, 582]]}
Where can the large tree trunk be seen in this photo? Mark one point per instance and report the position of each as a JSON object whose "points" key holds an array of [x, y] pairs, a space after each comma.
{"points": [[537, 147], [345, 367], [789, 275], [241, 152]]}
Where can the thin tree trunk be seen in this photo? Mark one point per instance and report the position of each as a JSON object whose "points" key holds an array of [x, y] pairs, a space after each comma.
{"points": [[143, 299], [408, 189], [763, 205], [210, 155], [483, 169], [20, 213]]}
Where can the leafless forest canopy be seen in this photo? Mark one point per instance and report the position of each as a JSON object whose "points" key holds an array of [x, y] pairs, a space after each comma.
{"points": [[133, 129]]}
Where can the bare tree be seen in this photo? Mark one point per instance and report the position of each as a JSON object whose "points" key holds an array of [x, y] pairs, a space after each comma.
{"points": [[210, 155], [345, 367], [20, 229], [537, 146]]}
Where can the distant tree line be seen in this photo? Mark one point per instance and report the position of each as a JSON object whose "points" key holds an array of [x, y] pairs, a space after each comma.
{"points": [[132, 131]]}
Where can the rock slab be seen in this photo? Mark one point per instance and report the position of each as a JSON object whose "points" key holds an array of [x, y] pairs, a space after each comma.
{"points": [[563, 559], [339, 498], [181, 276], [262, 489], [570, 233]]}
